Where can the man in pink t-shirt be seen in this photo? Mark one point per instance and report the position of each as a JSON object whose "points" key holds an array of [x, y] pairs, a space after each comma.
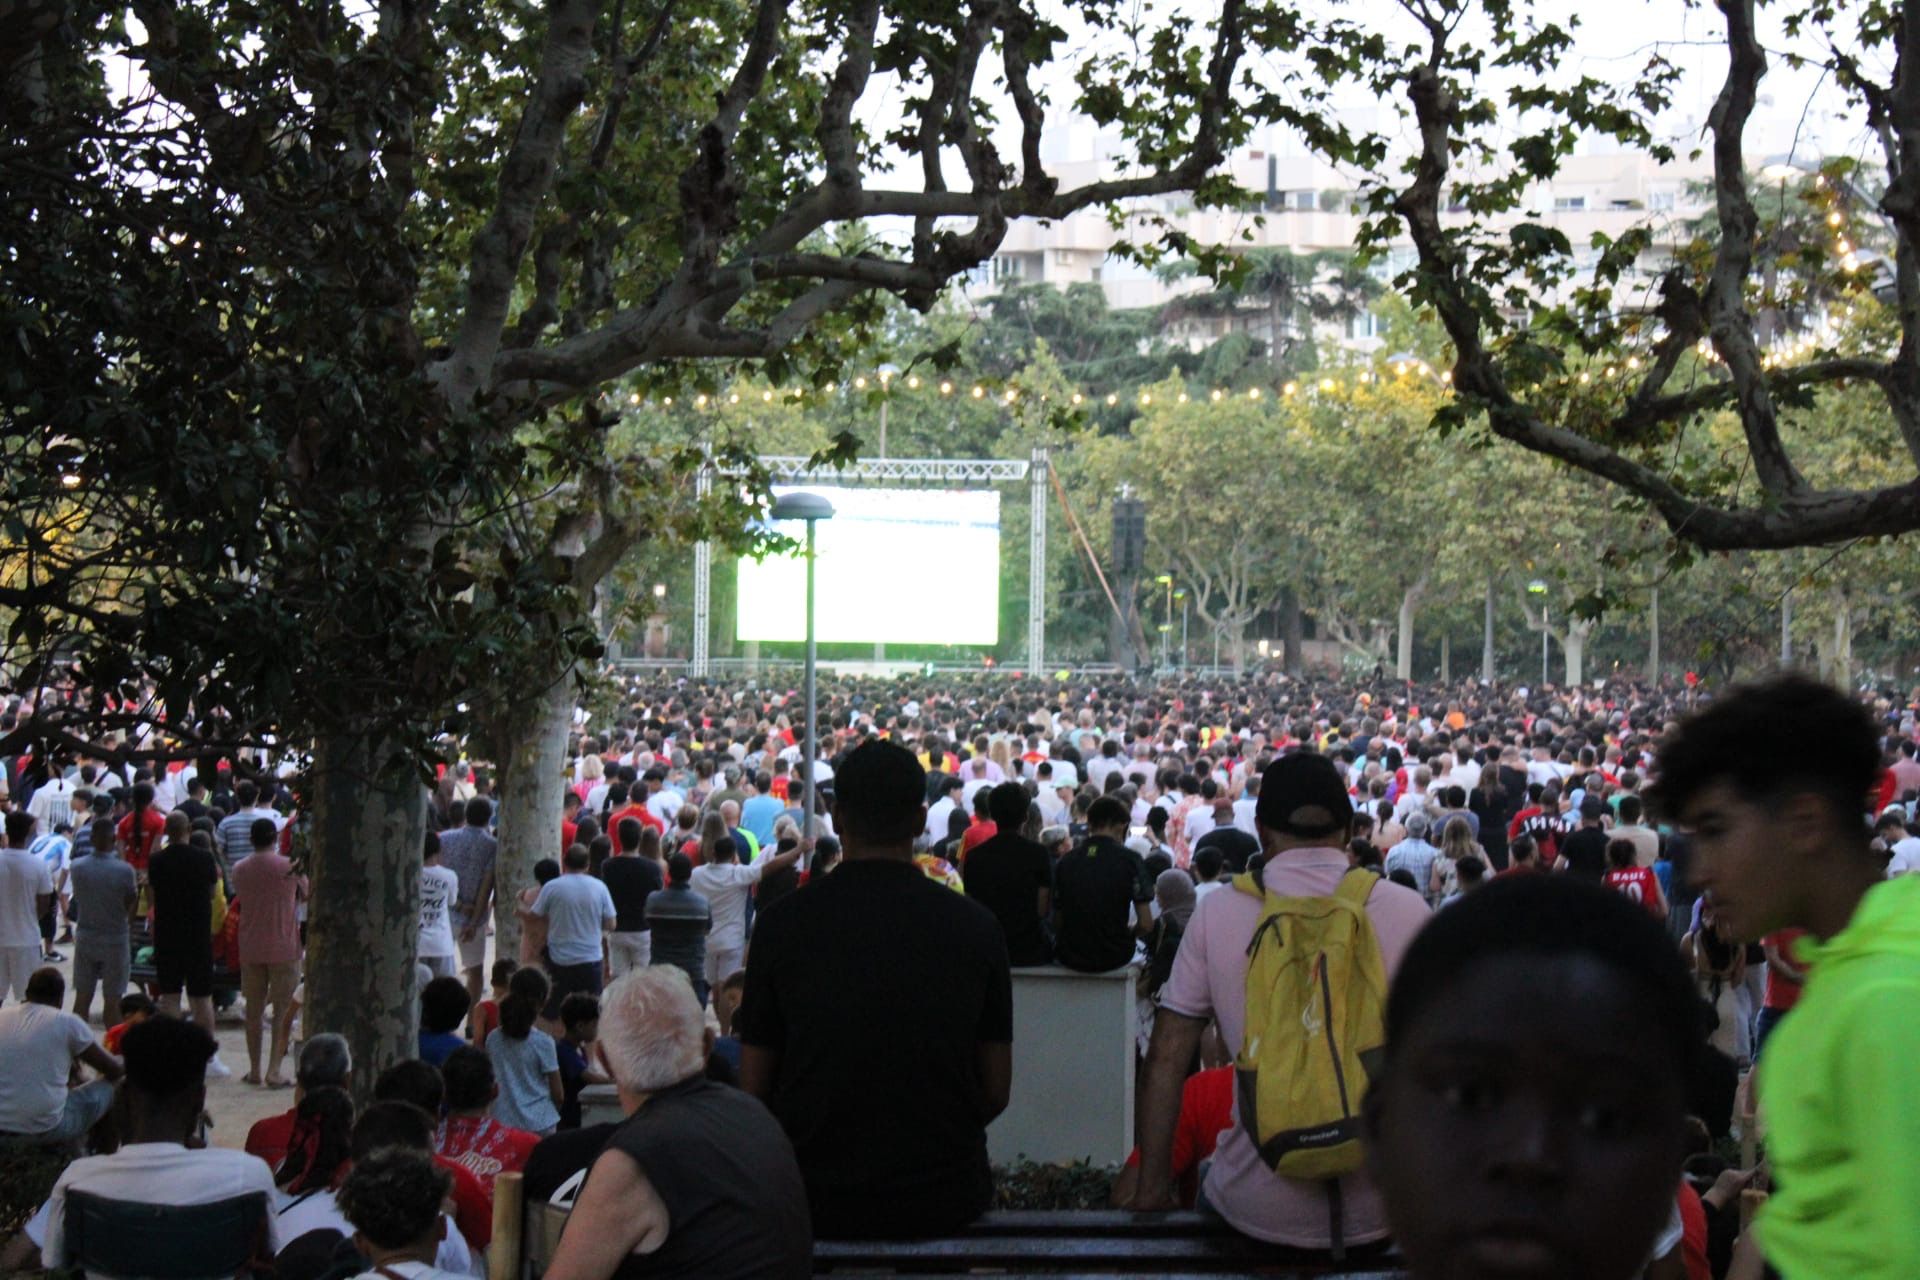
{"points": [[268, 894], [1303, 816]]}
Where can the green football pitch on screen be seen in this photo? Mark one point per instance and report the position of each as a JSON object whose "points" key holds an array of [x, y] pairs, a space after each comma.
{"points": [[893, 566]]}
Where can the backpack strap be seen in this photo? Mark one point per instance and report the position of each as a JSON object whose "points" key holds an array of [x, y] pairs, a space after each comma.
{"points": [[1356, 886]]}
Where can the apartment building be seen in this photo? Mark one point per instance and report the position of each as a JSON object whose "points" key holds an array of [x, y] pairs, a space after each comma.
{"points": [[1307, 206]]}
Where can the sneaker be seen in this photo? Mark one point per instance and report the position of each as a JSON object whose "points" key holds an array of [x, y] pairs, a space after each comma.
{"points": [[218, 1070], [52, 957]]}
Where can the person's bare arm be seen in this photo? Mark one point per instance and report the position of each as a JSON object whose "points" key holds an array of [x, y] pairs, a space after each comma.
{"points": [[757, 1068], [1777, 962], [20, 1256], [1142, 919], [477, 914], [1748, 1262], [101, 1061], [1176, 1038], [555, 1088], [1045, 904], [780, 861], [617, 1215], [1673, 1266], [996, 1075]]}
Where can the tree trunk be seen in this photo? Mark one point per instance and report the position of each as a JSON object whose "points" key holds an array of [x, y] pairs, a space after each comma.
{"points": [[532, 756], [1409, 604], [1575, 644], [1486, 639], [1840, 664], [1293, 633], [369, 824]]}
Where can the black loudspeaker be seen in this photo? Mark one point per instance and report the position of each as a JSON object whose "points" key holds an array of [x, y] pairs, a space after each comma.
{"points": [[1129, 537]]}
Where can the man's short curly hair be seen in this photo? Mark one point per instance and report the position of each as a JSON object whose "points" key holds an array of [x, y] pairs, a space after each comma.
{"points": [[1771, 739], [393, 1196]]}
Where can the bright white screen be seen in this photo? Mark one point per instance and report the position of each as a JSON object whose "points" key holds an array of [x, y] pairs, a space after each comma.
{"points": [[892, 566]]}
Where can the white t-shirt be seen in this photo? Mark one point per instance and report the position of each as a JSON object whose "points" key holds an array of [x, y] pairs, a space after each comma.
{"points": [[665, 804], [439, 887], [1906, 857], [23, 877], [299, 1214], [1199, 822], [38, 1043], [161, 1173], [1243, 815], [578, 909], [725, 887]]}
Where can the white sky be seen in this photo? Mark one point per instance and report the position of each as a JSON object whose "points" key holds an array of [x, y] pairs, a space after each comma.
{"points": [[1801, 110]]}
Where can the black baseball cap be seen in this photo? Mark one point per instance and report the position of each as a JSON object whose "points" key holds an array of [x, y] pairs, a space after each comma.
{"points": [[1302, 795]]}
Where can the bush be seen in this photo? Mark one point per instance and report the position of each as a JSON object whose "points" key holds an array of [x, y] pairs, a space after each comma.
{"points": [[1075, 1184]]}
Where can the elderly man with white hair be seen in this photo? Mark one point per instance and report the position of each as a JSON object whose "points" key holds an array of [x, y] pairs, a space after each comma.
{"points": [[699, 1179]]}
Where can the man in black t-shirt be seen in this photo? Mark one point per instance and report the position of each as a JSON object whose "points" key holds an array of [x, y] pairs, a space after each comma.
{"points": [[877, 1021], [1012, 877], [699, 1180], [181, 876], [1236, 846], [1101, 895], [1584, 853], [630, 879]]}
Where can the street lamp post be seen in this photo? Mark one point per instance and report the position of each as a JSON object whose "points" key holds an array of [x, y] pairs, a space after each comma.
{"points": [[812, 508], [886, 379], [1181, 596], [1539, 588]]}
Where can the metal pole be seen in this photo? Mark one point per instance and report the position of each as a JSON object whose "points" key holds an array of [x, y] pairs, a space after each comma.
{"points": [[1786, 629], [812, 754], [702, 585], [883, 424], [1037, 562], [1486, 643], [1185, 604], [1546, 629], [1653, 646]]}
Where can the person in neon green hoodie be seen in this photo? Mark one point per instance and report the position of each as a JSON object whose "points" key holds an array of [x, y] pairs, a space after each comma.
{"points": [[1773, 783]]}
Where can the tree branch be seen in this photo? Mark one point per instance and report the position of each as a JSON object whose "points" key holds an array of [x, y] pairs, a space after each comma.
{"points": [[1900, 136], [525, 179], [1726, 307]]}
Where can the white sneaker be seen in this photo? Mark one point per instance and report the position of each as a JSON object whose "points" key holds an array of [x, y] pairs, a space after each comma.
{"points": [[218, 1070]]}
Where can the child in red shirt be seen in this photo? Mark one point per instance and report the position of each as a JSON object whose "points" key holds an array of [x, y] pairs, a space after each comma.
{"points": [[486, 1014], [135, 1009], [1637, 883]]}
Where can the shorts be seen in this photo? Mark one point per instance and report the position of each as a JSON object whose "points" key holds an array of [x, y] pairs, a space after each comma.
{"points": [[442, 966], [722, 963], [568, 979], [81, 1111], [628, 951], [108, 964], [473, 952], [16, 966], [188, 968], [269, 984]]}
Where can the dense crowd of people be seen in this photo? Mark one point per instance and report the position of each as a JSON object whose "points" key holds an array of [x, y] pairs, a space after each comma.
{"points": [[1543, 937]]}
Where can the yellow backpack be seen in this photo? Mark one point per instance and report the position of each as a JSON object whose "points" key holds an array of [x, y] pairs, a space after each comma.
{"points": [[1316, 1000]]}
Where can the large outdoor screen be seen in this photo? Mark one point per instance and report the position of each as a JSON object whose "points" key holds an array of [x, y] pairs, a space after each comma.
{"points": [[893, 566]]}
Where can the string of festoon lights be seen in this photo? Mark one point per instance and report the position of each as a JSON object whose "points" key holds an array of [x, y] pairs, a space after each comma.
{"points": [[1829, 198], [889, 383]]}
